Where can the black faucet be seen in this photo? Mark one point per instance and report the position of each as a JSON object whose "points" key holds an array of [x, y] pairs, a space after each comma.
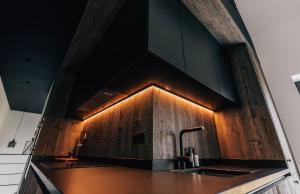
{"points": [[201, 128]]}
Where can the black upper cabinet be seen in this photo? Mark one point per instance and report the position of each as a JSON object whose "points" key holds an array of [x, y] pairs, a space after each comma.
{"points": [[155, 42], [205, 59], [198, 53], [176, 36], [164, 31], [225, 75]]}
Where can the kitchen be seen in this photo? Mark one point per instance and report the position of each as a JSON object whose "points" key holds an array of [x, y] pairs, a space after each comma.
{"points": [[114, 120]]}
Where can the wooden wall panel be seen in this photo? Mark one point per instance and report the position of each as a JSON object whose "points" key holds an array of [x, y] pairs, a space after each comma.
{"points": [[172, 114], [30, 185], [58, 134], [111, 133], [247, 131], [158, 114], [218, 21]]}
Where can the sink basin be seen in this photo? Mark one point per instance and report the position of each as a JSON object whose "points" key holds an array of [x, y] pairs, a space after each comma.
{"points": [[214, 172]]}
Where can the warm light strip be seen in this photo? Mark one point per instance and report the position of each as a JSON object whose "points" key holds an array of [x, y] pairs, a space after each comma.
{"points": [[121, 101], [146, 89], [181, 98]]}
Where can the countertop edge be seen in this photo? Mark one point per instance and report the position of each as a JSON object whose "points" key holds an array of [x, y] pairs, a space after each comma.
{"points": [[44, 181], [257, 183]]}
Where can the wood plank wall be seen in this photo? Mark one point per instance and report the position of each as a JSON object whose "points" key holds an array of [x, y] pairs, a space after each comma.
{"points": [[244, 132], [247, 132], [119, 130], [217, 19], [158, 114], [30, 185], [172, 114], [58, 134]]}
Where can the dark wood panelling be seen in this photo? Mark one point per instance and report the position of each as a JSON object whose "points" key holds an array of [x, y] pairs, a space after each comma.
{"points": [[58, 134], [214, 15], [123, 130], [30, 185], [247, 131], [172, 114], [147, 125]]}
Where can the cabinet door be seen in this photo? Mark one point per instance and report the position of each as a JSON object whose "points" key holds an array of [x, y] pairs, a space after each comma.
{"points": [[197, 43], [164, 31], [224, 74]]}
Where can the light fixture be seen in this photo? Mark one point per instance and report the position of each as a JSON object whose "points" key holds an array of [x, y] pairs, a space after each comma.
{"points": [[12, 143]]}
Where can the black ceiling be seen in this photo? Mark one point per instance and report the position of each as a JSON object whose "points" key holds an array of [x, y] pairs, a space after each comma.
{"points": [[34, 38]]}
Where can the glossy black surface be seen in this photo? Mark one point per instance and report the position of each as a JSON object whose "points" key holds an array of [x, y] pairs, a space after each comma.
{"points": [[34, 38]]}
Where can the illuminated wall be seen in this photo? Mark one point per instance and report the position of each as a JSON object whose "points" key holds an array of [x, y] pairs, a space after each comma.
{"points": [[146, 125], [111, 132]]}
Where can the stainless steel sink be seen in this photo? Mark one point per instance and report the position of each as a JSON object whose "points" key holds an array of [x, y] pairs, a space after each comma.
{"points": [[214, 172]]}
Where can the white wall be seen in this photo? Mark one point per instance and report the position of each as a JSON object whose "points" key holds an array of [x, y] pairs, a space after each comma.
{"points": [[9, 121], [274, 26], [25, 133], [12, 166], [4, 107]]}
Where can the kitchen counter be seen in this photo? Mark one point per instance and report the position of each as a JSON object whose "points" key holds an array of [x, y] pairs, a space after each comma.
{"points": [[124, 180]]}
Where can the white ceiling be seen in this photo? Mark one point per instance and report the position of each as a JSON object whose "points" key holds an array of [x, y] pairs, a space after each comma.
{"points": [[262, 15], [274, 26]]}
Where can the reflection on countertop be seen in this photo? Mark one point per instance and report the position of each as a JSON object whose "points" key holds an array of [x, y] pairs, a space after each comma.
{"points": [[68, 165], [99, 178]]}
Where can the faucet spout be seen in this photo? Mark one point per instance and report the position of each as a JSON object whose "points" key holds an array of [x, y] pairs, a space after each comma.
{"points": [[182, 132]]}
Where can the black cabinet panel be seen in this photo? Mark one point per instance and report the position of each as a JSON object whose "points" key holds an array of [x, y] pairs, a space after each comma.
{"points": [[164, 31], [155, 42], [198, 52], [225, 75]]}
